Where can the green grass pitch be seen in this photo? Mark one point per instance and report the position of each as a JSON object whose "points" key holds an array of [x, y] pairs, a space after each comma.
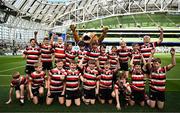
{"points": [[8, 64]]}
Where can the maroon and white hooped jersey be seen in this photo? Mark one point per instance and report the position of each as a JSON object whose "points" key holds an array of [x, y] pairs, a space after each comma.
{"points": [[59, 51], [72, 80], [46, 53], [70, 55], [146, 49], [32, 54], [124, 54], [93, 54], [103, 57], [113, 59], [158, 79], [81, 54], [19, 81], [137, 56], [106, 79], [56, 83], [37, 79], [91, 77], [137, 80]]}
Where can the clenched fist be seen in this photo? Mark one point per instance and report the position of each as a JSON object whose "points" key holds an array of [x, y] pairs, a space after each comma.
{"points": [[105, 29], [73, 27]]}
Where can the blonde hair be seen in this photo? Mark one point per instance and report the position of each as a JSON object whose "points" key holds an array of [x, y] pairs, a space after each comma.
{"points": [[16, 74]]}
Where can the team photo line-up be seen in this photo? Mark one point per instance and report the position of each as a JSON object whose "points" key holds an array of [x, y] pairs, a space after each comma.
{"points": [[92, 74]]}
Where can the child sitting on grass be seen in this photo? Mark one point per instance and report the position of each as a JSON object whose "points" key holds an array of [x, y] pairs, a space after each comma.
{"points": [[18, 82]]}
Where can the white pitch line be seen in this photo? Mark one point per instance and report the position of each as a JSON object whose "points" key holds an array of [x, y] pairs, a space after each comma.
{"points": [[12, 68]]}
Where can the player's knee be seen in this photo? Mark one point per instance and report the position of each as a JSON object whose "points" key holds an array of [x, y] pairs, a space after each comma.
{"points": [[18, 96], [152, 105], [160, 107], [142, 103], [41, 92], [22, 87], [35, 102], [132, 103], [110, 101], [68, 104], [113, 94], [61, 101], [92, 101], [78, 103], [48, 103], [102, 101]]}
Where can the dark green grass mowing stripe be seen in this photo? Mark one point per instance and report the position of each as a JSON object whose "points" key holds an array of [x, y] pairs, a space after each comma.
{"points": [[8, 59], [172, 101], [18, 61], [171, 85], [9, 71], [10, 66], [172, 105]]}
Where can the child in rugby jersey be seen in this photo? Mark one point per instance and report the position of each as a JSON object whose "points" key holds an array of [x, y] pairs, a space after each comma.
{"points": [[137, 55], [56, 82], [158, 80], [114, 61], [59, 49], [70, 55], [47, 52], [36, 84], [89, 79], [32, 56], [121, 92], [72, 92], [124, 55], [94, 52], [18, 83], [103, 57], [137, 81], [81, 53], [105, 83]]}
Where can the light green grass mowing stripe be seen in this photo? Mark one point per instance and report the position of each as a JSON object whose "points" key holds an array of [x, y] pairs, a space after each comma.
{"points": [[11, 69]]}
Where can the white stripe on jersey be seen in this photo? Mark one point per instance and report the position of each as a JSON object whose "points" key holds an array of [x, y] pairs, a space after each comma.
{"points": [[155, 80]]}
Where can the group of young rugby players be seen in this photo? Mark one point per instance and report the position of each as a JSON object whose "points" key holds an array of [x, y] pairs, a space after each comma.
{"points": [[93, 73]]}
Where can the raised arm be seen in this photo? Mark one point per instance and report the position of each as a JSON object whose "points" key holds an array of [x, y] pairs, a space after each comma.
{"points": [[150, 58], [161, 36], [52, 38], [173, 59], [131, 62], [35, 37], [142, 58], [149, 66], [75, 34], [104, 32]]}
